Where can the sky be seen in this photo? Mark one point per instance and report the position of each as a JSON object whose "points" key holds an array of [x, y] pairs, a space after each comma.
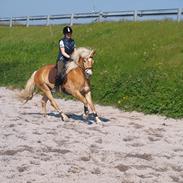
{"points": [[15, 8]]}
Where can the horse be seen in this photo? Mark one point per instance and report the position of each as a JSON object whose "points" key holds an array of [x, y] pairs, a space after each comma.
{"points": [[76, 83]]}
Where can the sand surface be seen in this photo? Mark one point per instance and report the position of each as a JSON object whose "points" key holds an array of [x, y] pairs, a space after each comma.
{"points": [[127, 148]]}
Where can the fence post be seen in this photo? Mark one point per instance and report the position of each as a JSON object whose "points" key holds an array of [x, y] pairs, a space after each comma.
{"points": [[48, 20], [100, 17], [135, 15], [179, 12], [27, 24], [72, 19], [11, 21]]}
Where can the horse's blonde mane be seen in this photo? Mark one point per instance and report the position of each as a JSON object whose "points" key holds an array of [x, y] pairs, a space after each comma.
{"points": [[79, 52]]}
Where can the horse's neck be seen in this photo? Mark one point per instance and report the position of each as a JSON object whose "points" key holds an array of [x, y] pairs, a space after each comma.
{"points": [[70, 66], [73, 65], [80, 63]]}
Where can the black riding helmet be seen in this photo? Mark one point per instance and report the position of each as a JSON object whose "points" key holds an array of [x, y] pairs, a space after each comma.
{"points": [[67, 29]]}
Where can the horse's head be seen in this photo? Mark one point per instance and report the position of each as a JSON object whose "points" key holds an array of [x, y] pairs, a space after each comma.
{"points": [[86, 64]]}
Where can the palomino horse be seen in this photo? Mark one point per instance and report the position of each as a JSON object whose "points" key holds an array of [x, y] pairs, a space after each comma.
{"points": [[76, 83]]}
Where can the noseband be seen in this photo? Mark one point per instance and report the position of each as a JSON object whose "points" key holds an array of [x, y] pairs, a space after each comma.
{"points": [[88, 70]]}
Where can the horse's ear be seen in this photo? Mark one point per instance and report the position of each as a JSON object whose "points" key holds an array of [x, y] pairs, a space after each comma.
{"points": [[92, 53]]}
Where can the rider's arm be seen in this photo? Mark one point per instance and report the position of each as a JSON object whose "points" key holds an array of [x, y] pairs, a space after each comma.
{"points": [[64, 53], [62, 49]]}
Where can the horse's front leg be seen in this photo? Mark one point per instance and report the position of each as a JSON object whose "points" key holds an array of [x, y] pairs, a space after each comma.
{"points": [[86, 112], [90, 103], [81, 98]]}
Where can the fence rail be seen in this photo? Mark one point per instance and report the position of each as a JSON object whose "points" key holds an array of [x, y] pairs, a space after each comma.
{"points": [[99, 16]]}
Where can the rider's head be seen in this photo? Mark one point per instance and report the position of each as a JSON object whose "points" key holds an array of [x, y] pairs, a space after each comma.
{"points": [[67, 31]]}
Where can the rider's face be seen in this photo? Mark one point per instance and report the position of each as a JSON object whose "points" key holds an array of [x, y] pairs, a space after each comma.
{"points": [[68, 35]]}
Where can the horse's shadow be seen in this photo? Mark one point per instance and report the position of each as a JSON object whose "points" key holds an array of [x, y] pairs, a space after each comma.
{"points": [[75, 117]]}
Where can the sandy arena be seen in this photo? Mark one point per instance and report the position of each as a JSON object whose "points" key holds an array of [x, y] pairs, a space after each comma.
{"points": [[127, 148]]}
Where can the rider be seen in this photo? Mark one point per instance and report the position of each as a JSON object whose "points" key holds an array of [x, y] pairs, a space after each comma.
{"points": [[66, 47]]}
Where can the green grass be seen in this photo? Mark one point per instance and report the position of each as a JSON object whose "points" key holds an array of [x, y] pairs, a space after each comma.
{"points": [[138, 65]]}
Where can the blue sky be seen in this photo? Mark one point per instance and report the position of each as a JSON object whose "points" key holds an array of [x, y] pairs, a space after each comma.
{"points": [[10, 8]]}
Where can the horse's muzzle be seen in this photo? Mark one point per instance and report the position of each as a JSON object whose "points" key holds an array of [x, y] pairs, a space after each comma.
{"points": [[88, 73]]}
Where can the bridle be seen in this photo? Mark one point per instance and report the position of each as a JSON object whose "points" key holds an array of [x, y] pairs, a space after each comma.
{"points": [[88, 70]]}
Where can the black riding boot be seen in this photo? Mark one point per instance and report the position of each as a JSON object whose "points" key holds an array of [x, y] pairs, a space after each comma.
{"points": [[57, 84], [59, 76]]}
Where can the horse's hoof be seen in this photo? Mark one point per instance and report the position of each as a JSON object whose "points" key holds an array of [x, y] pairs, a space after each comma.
{"points": [[97, 120], [64, 117], [45, 115], [85, 116]]}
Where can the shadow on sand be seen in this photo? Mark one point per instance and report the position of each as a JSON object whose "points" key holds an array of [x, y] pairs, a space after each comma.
{"points": [[90, 119]]}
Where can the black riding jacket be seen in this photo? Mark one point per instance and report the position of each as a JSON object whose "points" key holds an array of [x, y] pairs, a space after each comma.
{"points": [[69, 45]]}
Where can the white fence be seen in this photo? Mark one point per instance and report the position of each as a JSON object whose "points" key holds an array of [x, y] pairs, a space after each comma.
{"points": [[98, 16]]}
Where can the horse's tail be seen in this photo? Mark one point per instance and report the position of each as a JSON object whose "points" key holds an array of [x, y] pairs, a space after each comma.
{"points": [[27, 93]]}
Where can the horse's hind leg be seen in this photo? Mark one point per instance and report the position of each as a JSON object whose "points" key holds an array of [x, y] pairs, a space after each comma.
{"points": [[48, 94], [55, 105], [43, 104]]}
